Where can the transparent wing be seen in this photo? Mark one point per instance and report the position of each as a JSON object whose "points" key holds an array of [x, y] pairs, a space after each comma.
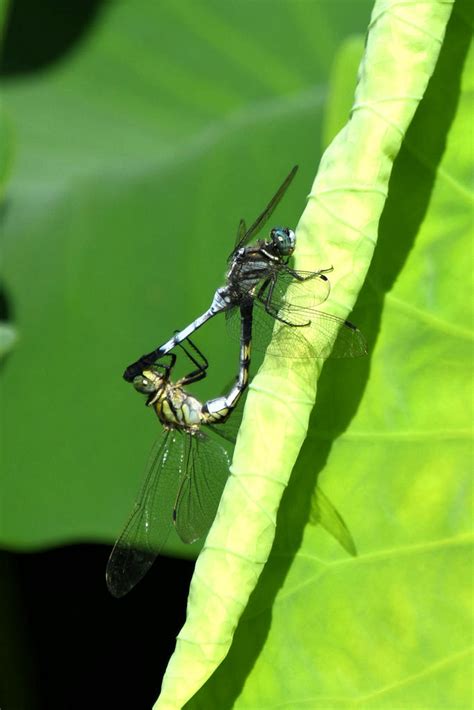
{"points": [[240, 234], [150, 522], [324, 513], [306, 333], [279, 288], [267, 212], [207, 469], [321, 335], [309, 291]]}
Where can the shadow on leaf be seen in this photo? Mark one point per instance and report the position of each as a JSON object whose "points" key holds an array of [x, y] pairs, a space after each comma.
{"points": [[342, 384]]}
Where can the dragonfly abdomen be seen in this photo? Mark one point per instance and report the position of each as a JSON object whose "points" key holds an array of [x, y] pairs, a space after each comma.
{"points": [[219, 409]]}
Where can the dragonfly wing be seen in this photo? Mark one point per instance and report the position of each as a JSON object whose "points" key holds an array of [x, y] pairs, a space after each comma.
{"points": [[263, 218], [207, 469], [150, 522], [241, 230], [262, 327], [290, 343], [276, 338], [312, 291], [319, 335], [302, 333], [324, 513], [349, 341], [309, 290]]}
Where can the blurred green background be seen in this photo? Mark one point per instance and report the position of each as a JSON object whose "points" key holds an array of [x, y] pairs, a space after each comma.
{"points": [[135, 154], [134, 136]]}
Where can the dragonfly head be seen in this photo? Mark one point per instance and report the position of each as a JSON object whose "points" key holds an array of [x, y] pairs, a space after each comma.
{"points": [[283, 240], [150, 382]]}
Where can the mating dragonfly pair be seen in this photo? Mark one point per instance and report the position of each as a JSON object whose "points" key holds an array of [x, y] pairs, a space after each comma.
{"points": [[271, 306]]}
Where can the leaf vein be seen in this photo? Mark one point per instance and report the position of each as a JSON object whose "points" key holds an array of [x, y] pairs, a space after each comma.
{"points": [[430, 669], [427, 317]]}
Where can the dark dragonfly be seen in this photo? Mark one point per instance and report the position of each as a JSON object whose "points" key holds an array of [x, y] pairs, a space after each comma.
{"points": [[261, 274], [187, 468]]}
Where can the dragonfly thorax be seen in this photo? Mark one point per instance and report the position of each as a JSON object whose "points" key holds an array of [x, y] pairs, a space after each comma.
{"points": [[176, 409], [283, 241]]}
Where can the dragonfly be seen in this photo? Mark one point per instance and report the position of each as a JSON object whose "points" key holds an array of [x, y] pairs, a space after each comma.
{"points": [[281, 295], [187, 468]]}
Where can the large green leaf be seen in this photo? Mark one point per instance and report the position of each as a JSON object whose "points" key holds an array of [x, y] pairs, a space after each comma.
{"points": [[136, 157], [390, 441], [139, 154], [321, 631]]}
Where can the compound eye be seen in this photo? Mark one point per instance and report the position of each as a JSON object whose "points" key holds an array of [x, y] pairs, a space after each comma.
{"points": [[278, 234], [284, 240], [143, 384]]}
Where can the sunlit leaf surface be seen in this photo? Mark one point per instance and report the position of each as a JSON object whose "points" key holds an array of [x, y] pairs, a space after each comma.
{"points": [[390, 442]]}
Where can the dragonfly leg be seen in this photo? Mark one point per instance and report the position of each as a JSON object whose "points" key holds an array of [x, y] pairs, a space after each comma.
{"points": [[220, 302], [202, 366], [272, 311], [313, 275], [205, 363], [167, 368], [263, 288]]}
